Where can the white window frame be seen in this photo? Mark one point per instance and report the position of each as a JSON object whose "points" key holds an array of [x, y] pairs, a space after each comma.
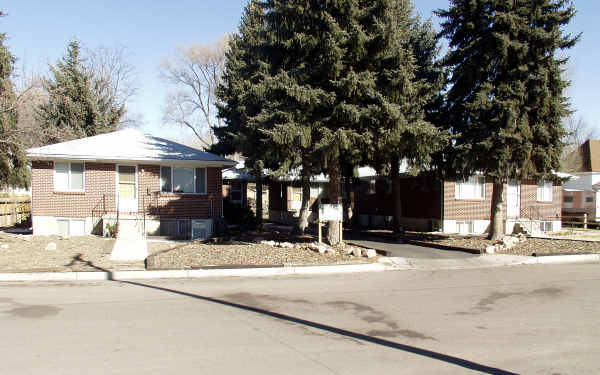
{"points": [[172, 183], [69, 220], [544, 191], [69, 182], [461, 193]]}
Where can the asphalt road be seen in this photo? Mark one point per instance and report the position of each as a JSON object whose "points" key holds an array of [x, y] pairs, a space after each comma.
{"points": [[523, 319]]}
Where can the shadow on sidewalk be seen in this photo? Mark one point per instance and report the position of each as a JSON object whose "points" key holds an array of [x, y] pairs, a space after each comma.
{"points": [[288, 318]]}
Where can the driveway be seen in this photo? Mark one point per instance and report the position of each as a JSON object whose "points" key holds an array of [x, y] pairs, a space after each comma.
{"points": [[394, 249]]}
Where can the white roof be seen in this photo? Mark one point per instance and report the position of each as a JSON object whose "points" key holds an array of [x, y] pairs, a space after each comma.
{"points": [[239, 172], [127, 145]]}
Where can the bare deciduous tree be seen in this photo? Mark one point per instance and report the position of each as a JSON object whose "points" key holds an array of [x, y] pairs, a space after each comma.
{"points": [[114, 79], [194, 74], [578, 131]]}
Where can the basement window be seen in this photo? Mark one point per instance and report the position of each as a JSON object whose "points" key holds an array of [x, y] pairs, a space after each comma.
{"points": [[568, 199], [589, 199], [464, 227]]}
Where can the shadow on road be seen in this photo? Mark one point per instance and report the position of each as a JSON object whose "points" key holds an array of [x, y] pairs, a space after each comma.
{"points": [[355, 335]]}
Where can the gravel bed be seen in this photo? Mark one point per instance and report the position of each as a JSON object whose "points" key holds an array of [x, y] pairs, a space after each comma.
{"points": [[26, 253], [197, 255], [530, 246]]}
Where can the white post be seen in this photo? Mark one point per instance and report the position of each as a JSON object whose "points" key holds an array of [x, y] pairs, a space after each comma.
{"points": [[585, 221]]}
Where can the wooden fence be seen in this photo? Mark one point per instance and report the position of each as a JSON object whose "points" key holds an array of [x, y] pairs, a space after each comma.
{"points": [[579, 221], [14, 209]]}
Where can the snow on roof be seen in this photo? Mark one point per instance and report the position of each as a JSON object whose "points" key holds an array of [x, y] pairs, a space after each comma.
{"points": [[126, 145], [238, 172]]}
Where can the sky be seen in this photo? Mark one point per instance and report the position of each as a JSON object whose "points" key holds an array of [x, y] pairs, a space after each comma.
{"points": [[39, 31]]}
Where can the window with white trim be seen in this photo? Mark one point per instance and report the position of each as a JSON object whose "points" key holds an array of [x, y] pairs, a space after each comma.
{"points": [[69, 176], [470, 188], [544, 191], [182, 180]]}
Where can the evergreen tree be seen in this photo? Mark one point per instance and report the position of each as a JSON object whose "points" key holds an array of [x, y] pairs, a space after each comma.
{"points": [[506, 100], [410, 81], [240, 99], [73, 109], [13, 161]]}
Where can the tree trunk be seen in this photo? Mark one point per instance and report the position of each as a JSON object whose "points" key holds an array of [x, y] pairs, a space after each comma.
{"points": [[348, 199], [497, 224], [305, 208], [258, 173], [333, 228], [396, 195]]}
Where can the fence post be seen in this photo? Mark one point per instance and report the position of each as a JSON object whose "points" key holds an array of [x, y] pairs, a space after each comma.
{"points": [[585, 221]]}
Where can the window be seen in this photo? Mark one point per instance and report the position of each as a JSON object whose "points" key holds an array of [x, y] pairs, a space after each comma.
{"points": [[183, 180], [568, 199], [544, 191], [471, 188], [464, 227], [589, 199], [70, 227], [68, 176]]}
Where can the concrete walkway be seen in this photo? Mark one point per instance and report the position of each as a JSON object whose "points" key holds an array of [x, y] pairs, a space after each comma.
{"points": [[394, 249]]}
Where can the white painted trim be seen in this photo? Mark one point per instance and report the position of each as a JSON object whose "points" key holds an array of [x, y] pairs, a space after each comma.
{"points": [[68, 190]]}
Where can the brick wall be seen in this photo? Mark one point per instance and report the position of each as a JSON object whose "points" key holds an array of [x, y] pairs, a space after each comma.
{"points": [[463, 209], [99, 181], [100, 190], [181, 206]]}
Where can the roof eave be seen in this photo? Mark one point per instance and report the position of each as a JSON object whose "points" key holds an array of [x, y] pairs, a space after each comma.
{"points": [[213, 163]]}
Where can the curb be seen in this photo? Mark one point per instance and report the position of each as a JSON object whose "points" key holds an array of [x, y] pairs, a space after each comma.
{"points": [[388, 264], [197, 273]]}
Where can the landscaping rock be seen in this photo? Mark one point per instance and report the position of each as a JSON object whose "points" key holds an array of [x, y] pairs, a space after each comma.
{"points": [[522, 237], [490, 249], [349, 250], [4, 246], [287, 245], [370, 253], [357, 252], [51, 246], [509, 242], [268, 243]]}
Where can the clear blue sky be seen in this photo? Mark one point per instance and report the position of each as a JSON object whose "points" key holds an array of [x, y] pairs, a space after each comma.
{"points": [[39, 31]]}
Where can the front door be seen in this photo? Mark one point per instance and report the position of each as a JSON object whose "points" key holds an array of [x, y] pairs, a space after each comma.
{"points": [[127, 188], [513, 199]]}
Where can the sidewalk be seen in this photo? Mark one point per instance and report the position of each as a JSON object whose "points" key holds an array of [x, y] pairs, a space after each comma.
{"points": [[383, 264]]}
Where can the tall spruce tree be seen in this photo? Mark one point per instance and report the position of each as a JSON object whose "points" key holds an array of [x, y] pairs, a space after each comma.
{"points": [[13, 162], [73, 109], [506, 101], [240, 98], [410, 81]]}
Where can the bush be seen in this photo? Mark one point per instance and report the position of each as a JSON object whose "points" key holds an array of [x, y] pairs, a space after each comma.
{"points": [[240, 215]]}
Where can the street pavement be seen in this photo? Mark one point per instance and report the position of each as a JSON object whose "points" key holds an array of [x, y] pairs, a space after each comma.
{"points": [[540, 319]]}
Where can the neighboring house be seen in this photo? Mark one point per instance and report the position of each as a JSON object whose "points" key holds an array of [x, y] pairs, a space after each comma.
{"points": [[165, 188], [463, 206], [239, 187], [429, 204], [285, 197], [582, 193]]}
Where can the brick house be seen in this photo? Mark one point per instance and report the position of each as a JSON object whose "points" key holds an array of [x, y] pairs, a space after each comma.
{"points": [[464, 206], [581, 193], [80, 186]]}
